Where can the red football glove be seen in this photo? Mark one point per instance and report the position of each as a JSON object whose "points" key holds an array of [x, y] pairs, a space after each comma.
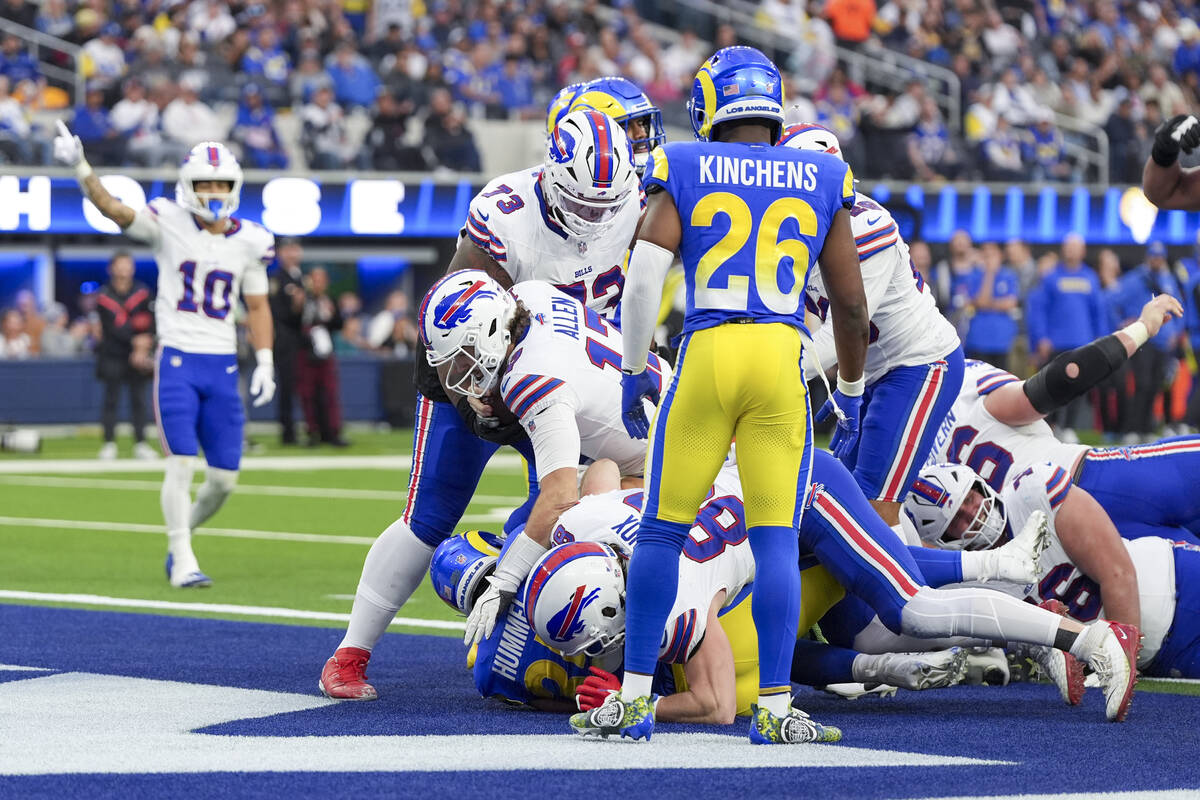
{"points": [[595, 689]]}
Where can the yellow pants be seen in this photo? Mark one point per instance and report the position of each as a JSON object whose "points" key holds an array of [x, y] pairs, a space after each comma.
{"points": [[733, 380]]}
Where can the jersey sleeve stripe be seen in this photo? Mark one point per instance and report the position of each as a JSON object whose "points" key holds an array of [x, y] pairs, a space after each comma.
{"points": [[870, 250], [1057, 499], [870, 236], [681, 636], [540, 390], [520, 386], [992, 383], [483, 238], [1057, 487]]}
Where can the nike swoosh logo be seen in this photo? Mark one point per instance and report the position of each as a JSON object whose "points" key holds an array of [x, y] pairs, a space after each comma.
{"points": [[1121, 633], [482, 215], [873, 221], [231, 370]]}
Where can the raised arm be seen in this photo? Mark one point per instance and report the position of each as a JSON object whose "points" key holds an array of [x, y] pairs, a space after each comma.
{"points": [[1165, 183], [69, 150]]}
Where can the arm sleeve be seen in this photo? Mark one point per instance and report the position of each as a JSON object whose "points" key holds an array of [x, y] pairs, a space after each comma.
{"points": [[648, 265], [555, 437], [144, 227], [482, 231], [254, 281]]}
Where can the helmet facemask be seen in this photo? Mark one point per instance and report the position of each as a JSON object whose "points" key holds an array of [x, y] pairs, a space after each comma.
{"points": [[209, 161], [986, 526]]}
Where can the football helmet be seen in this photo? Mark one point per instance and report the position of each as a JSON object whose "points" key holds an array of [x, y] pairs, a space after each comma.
{"points": [[935, 499], [464, 323], [589, 173], [810, 136], [736, 83], [560, 104], [209, 161], [460, 564], [574, 599], [622, 100]]}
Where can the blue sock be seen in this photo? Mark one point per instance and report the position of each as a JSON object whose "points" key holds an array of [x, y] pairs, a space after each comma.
{"points": [[776, 601], [816, 664], [650, 590], [939, 567]]}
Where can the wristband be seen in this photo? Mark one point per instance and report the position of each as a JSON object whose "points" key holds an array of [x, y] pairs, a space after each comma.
{"points": [[516, 561], [83, 170], [1138, 332], [265, 357], [851, 388]]}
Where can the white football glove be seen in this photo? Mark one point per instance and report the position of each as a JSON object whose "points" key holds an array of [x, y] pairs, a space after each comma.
{"points": [[67, 147], [488, 608], [262, 380]]}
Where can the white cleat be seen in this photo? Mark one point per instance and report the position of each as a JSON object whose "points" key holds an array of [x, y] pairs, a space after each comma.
{"points": [[108, 452], [1018, 561], [185, 573], [144, 452], [913, 671], [1114, 661]]}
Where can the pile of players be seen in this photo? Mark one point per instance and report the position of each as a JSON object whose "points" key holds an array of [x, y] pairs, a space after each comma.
{"points": [[676, 581]]}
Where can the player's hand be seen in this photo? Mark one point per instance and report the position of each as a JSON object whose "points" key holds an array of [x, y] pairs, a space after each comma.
{"points": [[1160, 309], [491, 604], [262, 384], [633, 413], [67, 147], [482, 406], [846, 434], [595, 689], [1181, 132]]}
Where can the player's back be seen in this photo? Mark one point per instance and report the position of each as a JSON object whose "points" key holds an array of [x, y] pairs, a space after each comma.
{"points": [[572, 353], [754, 220]]}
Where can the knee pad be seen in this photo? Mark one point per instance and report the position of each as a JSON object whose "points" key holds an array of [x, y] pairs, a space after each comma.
{"points": [[224, 480]]}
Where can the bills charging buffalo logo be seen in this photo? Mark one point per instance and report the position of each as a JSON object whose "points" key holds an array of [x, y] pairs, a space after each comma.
{"points": [[567, 622], [562, 146], [455, 309]]}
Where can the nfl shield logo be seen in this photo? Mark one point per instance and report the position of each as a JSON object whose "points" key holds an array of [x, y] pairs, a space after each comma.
{"points": [[582, 245]]}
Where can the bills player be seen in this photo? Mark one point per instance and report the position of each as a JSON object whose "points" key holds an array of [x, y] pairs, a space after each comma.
{"points": [[568, 221], [914, 360], [621, 99], [1087, 566], [206, 259], [996, 427]]}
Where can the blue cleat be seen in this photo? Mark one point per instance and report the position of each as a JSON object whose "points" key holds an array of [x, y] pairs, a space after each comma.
{"points": [[634, 719], [795, 728], [186, 578]]}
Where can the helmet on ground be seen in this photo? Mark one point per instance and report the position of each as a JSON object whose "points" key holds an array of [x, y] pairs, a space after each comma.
{"points": [[575, 598], [464, 321], [936, 498], [621, 99], [810, 136], [736, 83], [459, 565], [588, 174], [209, 161]]}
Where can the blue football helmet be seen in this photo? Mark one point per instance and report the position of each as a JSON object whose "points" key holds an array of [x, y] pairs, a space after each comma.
{"points": [[622, 100], [736, 83], [561, 103], [459, 566]]}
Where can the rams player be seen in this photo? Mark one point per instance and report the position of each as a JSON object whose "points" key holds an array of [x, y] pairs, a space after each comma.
{"points": [[749, 220], [621, 99]]}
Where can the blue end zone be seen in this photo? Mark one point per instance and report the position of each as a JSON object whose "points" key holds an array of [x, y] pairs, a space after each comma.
{"points": [[425, 688]]}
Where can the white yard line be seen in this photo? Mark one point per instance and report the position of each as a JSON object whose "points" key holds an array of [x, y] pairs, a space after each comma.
{"points": [[91, 466], [214, 608]]}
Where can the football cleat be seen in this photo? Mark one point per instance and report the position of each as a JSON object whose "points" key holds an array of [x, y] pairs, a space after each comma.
{"points": [[1114, 660], [1017, 561], [186, 576], [633, 719], [345, 675], [795, 727], [986, 666], [913, 671], [853, 691]]}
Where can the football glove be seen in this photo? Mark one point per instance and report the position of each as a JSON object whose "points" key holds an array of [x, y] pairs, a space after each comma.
{"points": [[1181, 132], [595, 689], [67, 147], [262, 380], [846, 434], [488, 608], [633, 413]]}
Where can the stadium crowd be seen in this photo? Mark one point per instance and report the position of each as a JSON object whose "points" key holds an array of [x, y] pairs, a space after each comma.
{"points": [[395, 84]]}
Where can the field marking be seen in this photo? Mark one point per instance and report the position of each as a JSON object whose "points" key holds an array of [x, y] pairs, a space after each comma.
{"points": [[216, 608], [242, 489], [91, 466], [1149, 794]]}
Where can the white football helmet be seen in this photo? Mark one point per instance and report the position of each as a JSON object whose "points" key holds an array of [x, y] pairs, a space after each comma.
{"points": [[209, 161], [935, 499], [589, 173], [464, 322], [575, 599], [810, 136]]}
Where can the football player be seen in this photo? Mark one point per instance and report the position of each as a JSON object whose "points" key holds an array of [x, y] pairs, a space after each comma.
{"points": [[568, 221], [1152, 582], [207, 258], [621, 99], [1165, 182], [996, 427], [748, 220], [914, 361]]}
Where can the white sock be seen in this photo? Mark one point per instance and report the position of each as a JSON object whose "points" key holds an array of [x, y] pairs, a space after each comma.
{"points": [[218, 485], [176, 499], [972, 563], [636, 685], [982, 613], [1087, 642], [778, 704], [395, 567]]}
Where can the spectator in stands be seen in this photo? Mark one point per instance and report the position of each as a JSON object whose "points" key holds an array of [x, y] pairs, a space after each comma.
{"points": [[949, 277], [931, 149], [851, 21], [387, 137], [514, 86], [1002, 158], [1124, 165], [103, 58], [54, 20], [32, 321], [15, 144], [255, 131], [1165, 92], [1019, 259], [287, 306], [267, 64], [211, 21], [308, 78], [187, 120], [993, 303], [316, 365], [354, 81], [814, 56], [123, 355], [1046, 150], [1112, 396], [1001, 41], [447, 136], [1186, 62], [190, 65], [1069, 313], [393, 328], [14, 342], [922, 261], [136, 119], [60, 339], [1014, 100], [323, 136], [94, 127], [16, 63], [838, 112], [681, 60]]}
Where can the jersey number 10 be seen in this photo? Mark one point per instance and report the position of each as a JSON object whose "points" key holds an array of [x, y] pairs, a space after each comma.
{"points": [[216, 282]]}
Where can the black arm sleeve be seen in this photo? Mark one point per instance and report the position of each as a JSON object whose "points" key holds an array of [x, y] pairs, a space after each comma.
{"points": [[1051, 387]]}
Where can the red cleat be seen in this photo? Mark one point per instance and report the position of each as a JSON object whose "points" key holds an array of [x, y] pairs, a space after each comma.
{"points": [[345, 675]]}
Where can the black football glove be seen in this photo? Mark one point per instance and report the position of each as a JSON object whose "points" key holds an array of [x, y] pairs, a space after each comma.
{"points": [[1180, 132]]}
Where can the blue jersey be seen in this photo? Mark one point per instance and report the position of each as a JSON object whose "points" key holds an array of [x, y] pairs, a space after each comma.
{"points": [[754, 221]]}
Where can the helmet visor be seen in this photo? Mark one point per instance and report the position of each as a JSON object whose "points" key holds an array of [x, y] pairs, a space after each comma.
{"points": [[594, 211]]}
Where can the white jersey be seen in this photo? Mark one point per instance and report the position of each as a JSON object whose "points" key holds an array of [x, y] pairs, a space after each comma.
{"points": [[509, 221], [1044, 487], [971, 435], [571, 357], [906, 327], [716, 555], [201, 274]]}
